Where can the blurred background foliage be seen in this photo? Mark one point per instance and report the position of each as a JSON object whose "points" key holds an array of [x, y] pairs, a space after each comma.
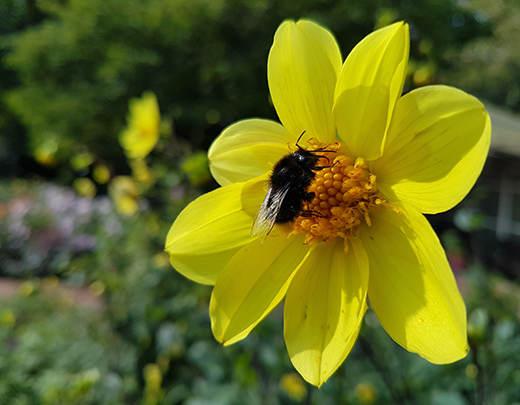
{"points": [[97, 315]]}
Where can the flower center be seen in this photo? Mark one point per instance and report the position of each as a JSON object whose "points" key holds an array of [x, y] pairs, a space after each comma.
{"points": [[343, 196]]}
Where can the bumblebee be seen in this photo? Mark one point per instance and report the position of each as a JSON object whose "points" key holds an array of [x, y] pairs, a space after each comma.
{"points": [[291, 177]]}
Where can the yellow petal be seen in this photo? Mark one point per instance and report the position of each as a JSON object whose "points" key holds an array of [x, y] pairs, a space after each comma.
{"points": [[303, 66], [252, 284], [436, 147], [369, 84], [210, 230], [247, 149], [412, 289], [324, 308]]}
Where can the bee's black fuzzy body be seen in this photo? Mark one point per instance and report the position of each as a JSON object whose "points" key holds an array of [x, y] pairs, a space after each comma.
{"points": [[291, 177], [294, 172]]}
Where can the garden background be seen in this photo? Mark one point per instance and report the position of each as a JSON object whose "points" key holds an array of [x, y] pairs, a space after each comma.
{"points": [[91, 312]]}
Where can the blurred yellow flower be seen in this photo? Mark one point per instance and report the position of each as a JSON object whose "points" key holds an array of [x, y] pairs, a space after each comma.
{"points": [[161, 260], [153, 380], [45, 152], [26, 288], [97, 288], [423, 74], [125, 194], [81, 161], [85, 187], [101, 174], [50, 284], [362, 232], [292, 384], [141, 172], [471, 371], [366, 393], [142, 131], [7, 318]]}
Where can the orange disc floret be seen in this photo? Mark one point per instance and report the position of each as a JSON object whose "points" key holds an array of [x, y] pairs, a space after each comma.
{"points": [[344, 193]]}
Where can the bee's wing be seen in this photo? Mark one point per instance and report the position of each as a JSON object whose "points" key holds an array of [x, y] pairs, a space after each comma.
{"points": [[265, 220]]}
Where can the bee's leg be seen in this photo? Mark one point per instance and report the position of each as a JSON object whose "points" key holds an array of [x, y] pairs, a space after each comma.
{"points": [[309, 214], [324, 167]]}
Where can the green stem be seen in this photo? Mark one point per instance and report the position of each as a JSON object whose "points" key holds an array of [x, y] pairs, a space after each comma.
{"points": [[480, 377], [384, 371]]}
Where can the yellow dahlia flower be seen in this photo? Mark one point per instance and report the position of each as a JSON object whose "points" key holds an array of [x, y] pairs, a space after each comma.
{"points": [[125, 194], [142, 132], [394, 158]]}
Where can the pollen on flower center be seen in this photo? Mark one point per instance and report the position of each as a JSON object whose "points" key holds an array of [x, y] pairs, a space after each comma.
{"points": [[343, 196]]}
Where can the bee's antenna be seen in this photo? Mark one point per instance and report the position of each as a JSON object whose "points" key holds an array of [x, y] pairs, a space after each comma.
{"points": [[300, 137], [314, 150]]}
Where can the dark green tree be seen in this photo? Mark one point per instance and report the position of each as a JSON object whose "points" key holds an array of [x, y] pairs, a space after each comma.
{"points": [[205, 60]]}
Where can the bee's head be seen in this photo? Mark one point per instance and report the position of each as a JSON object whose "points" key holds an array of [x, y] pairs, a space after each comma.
{"points": [[309, 158], [306, 158]]}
